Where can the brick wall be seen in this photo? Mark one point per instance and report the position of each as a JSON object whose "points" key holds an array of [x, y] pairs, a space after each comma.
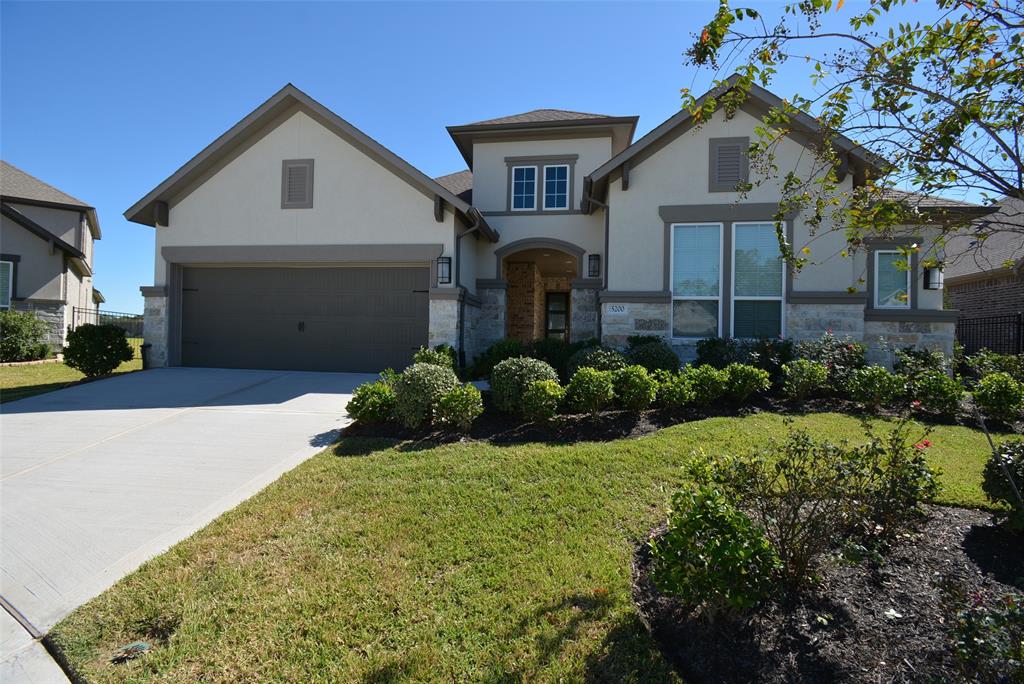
{"points": [[525, 301], [995, 296]]}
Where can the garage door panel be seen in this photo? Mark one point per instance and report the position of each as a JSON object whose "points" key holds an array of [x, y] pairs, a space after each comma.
{"points": [[345, 319]]}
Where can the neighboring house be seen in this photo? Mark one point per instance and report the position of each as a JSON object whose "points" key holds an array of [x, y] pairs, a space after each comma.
{"points": [[46, 240], [296, 241], [985, 272]]}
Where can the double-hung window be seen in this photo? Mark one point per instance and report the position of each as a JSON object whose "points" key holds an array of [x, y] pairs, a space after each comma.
{"points": [[757, 281], [524, 188], [6, 283], [892, 280], [696, 279], [556, 187]]}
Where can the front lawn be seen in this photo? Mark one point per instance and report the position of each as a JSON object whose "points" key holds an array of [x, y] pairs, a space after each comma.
{"points": [[377, 562], [18, 382]]}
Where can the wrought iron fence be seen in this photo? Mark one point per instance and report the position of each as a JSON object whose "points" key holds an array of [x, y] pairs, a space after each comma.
{"points": [[1001, 334], [131, 323]]}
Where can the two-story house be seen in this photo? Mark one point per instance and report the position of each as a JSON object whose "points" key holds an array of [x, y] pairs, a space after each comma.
{"points": [[296, 241], [46, 251]]}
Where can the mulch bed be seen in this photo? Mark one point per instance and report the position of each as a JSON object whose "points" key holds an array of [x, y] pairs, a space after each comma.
{"points": [[863, 623]]}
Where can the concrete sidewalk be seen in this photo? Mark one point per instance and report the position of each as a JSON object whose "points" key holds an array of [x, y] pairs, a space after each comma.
{"points": [[97, 478]]}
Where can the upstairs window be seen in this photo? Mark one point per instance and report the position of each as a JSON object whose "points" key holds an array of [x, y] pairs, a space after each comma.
{"points": [[729, 164], [297, 184], [524, 188], [757, 281], [892, 280], [556, 187]]}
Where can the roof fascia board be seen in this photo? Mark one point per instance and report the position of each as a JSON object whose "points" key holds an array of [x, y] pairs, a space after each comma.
{"points": [[40, 232], [93, 218], [464, 136]]}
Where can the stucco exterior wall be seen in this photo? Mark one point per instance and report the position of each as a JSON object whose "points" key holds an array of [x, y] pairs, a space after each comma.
{"points": [[355, 200], [66, 224], [39, 272]]}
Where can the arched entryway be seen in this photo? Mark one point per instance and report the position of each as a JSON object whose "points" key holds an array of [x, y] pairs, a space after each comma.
{"points": [[539, 294]]}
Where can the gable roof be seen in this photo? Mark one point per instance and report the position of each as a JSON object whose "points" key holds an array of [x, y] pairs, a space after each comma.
{"points": [[993, 241], [74, 254], [596, 182], [540, 115], [459, 184], [16, 185], [265, 118]]}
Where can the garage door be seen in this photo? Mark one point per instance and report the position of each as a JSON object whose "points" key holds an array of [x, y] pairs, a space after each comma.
{"points": [[325, 319]]}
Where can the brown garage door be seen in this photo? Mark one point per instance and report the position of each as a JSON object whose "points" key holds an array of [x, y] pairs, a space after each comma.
{"points": [[326, 319]]}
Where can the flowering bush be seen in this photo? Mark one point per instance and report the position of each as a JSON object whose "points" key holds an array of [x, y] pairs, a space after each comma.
{"points": [[986, 362], [841, 357]]}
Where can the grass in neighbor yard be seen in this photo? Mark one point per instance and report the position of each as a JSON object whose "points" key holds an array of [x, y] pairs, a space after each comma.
{"points": [[462, 562], [18, 382]]}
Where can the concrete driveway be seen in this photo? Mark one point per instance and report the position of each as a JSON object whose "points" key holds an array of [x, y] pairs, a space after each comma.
{"points": [[97, 478]]}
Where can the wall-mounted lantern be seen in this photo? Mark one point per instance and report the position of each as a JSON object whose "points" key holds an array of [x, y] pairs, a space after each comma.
{"points": [[594, 266], [933, 278], [444, 270]]}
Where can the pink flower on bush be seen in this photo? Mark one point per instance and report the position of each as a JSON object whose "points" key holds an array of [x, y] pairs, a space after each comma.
{"points": [[915, 404], [923, 444]]}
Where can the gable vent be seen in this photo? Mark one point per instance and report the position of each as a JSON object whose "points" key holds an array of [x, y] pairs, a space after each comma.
{"points": [[297, 184], [728, 163]]}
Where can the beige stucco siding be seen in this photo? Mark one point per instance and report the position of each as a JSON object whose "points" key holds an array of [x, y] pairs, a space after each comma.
{"points": [[355, 200], [586, 232], [39, 270], [64, 223]]}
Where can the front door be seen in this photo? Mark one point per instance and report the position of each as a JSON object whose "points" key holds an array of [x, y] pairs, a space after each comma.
{"points": [[556, 315]]}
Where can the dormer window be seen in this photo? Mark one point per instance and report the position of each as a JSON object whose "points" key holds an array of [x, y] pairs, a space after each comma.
{"points": [[556, 186], [524, 188]]}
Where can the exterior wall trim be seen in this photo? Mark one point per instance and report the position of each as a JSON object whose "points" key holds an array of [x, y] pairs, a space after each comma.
{"points": [[660, 297], [251, 254], [912, 315], [491, 284], [586, 283], [153, 290], [539, 243], [825, 297]]}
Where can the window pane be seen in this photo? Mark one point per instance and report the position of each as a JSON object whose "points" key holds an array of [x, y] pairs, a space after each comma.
{"points": [[891, 281], [556, 187], [6, 268], [696, 260], [695, 318], [758, 263], [757, 318], [524, 187]]}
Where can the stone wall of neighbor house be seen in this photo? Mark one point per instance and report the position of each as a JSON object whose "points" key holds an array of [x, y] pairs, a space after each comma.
{"points": [[55, 315], [810, 321], [996, 296], [583, 314], [885, 337], [444, 322], [154, 331]]}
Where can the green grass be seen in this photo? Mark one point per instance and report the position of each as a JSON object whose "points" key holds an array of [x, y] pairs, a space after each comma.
{"points": [[377, 562], [18, 382]]}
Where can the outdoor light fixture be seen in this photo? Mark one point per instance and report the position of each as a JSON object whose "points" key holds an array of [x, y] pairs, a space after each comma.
{"points": [[594, 266], [933, 278], [444, 270]]}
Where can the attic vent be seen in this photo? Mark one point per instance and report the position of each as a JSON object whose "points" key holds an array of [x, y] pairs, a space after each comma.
{"points": [[297, 184], [728, 163]]}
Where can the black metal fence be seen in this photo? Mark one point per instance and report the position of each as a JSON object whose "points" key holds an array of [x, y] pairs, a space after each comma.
{"points": [[131, 323], [1001, 334]]}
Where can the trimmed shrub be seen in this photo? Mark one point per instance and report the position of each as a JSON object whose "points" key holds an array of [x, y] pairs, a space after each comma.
{"points": [[419, 389], [937, 392], [484, 363], [442, 355], [389, 376], [988, 634], [1006, 462], [511, 377], [557, 353], [770, 354], [459, 407], [874, 387], [719, 352], [675, 391], [653, 354], [542, 399], [598, 358], [712, 555], [743, 381], [911, 361], [803, 379], [841, 357], [707, 384], [21, 336], [372, 402], [1000, 397], [986, 362], [97, 349], [634, 388], [590, 390]]}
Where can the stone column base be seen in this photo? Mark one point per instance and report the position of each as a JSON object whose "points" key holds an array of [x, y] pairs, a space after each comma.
{"points": [[583, 314], [154, 330]]}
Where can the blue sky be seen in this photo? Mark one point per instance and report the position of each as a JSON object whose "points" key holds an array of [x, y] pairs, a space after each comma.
{"points": [[105, 100]]}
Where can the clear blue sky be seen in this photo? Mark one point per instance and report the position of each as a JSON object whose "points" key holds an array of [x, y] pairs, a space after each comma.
{"points": [[105, 100]]}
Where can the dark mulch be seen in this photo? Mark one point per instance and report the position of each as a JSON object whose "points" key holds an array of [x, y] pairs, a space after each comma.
{"points": [[847, 630]]}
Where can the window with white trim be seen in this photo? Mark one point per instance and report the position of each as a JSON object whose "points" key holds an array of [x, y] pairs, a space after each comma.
{"points": [[758, 275], [524, 188], [892, 280], [6, 283], [696, 270], [556, 186]]}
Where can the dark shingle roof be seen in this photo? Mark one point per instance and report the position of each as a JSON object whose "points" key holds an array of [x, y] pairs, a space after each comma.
{"points": [[994, 241], [459, 184], [916, 199], [16, 183], [540, 116]]}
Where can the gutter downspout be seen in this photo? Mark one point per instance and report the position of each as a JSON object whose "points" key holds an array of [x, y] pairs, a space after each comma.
{"points": [[477, 219]]}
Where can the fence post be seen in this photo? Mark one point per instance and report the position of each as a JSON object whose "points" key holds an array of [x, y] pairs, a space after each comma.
{"points": [[1020, 332]]}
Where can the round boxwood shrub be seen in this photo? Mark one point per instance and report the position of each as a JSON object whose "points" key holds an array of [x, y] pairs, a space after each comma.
{"points": [[459, 407], [1001, 397], [937, 392], [634, 388], [418, 390], [707, 384], [484, 364], [590, 390], [675, 391], [372, 402], [743, 381], [542, 399], [803, 379], [97, 349], [653, 354], [21, 336], [1006, 461], [874, 387], [511, 377], [598, 358], [441, 355]]}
